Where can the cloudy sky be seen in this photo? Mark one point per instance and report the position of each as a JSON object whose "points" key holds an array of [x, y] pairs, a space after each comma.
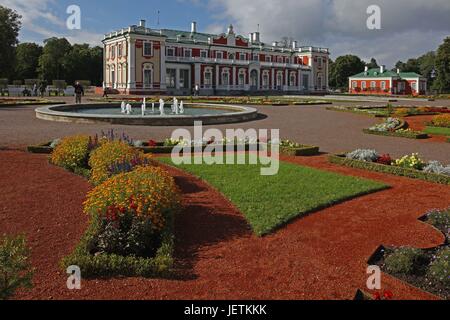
{"points": [[408, 27]]}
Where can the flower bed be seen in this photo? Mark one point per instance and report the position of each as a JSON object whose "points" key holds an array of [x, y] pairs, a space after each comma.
{"points": [[394, 127], [131, 226], [408, 166], [426, 269], [290, 148]]}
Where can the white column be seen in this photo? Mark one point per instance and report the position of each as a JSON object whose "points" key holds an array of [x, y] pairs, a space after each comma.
{"points": [[273, 79], [197, 77], [177, 78], [299, 80], [234, 76], [286, 77], [131, 64], [217, 77], [163, 70]]}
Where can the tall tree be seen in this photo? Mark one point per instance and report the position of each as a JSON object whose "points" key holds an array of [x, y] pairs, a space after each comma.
{"points": [[442, 83], [427, 63], [51, 62], [344, 67], [373, 64], [9, 31], [27, 61]]}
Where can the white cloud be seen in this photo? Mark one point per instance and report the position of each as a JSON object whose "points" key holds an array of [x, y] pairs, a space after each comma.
{"points": [[409, 27], [38, 18]]}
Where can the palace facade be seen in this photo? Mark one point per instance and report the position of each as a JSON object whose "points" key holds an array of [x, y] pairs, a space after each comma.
{"points": [[140, 60]]}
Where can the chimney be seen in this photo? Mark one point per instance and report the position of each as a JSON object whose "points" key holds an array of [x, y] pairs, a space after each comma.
{"points": [[398, 71], [382, 69], [275, 44], [366, 69], [194, 27], [142, 23], [256, 37]]}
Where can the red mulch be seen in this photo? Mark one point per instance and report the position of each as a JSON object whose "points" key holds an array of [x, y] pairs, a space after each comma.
{"points": [[418, 123], [321, 256]]}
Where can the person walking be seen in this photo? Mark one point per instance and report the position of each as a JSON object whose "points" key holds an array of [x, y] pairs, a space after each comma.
{"points": [[197, 90], [42, 89], [79, 91]]}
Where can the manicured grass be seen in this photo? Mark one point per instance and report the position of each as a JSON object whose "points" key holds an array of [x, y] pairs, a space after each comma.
{"points": [[439, 131], [269, 202]]}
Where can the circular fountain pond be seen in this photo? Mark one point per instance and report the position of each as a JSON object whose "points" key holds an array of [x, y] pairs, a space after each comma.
{"points": [[111, 113]]}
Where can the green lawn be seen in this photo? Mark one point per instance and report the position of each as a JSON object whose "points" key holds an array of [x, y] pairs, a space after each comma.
{"points": [[439, 131], [269, 202]]}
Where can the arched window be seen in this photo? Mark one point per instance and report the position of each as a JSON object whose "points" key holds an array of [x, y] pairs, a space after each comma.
{"points": [[265, 79], [292, 79], [225, 77], [241, 77], [279, 79]]}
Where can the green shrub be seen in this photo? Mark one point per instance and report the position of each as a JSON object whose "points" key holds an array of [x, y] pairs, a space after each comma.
{"points": [[15, 268], [439, 270], [440, 219], [405, 260], [71, 153]]}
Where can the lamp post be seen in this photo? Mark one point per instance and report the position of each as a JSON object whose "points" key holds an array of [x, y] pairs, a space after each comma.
{"points": [[433, 76]]}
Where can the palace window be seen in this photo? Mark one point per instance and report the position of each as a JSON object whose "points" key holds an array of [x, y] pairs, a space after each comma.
{"points": [[363, 85], [208, 77], [184, 79], [225, 78], [148, 75], [373, 85], [148, 49], [171, 75], [242, 56], [119, 50], [319, 62], [219, 55], [241, 78], [231, 56], [414, 86], [279, 79], [354, 84], [204, 54], [280, 59], [268, 59], [265, 80], [255, 57], [292, 80], [113, 52], [383, 85], [188, 53], [171, 52]]}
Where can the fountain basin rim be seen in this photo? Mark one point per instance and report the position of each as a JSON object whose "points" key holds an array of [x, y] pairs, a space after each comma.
{"points": [[60, 113]]}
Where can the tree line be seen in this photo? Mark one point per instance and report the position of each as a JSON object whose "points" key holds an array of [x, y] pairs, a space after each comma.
{"points": [[434, 65], [57, 59]]}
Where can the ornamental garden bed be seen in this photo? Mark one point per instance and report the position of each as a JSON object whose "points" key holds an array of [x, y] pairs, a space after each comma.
{"points": [[27, 102], [131, 209], [394, 127], [389, 110], [294, 149], [406, 167], [270, 202], [427, 269]]}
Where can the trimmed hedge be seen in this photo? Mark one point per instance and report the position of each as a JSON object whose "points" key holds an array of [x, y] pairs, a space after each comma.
{"points": [[160, 148], [405, 134], [304, 151], [43, 148], [398, 171], [109, 265]]}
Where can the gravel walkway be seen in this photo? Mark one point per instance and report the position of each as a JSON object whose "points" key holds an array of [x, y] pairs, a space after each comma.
{"points": [[321, 256], [332, 131]]}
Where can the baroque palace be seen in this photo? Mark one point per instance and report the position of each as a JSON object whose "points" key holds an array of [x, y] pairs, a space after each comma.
{"points": [[140, 60]]}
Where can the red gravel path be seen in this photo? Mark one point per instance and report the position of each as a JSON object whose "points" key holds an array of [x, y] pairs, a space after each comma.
{"points": [[322, 256], [418, 123]]}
